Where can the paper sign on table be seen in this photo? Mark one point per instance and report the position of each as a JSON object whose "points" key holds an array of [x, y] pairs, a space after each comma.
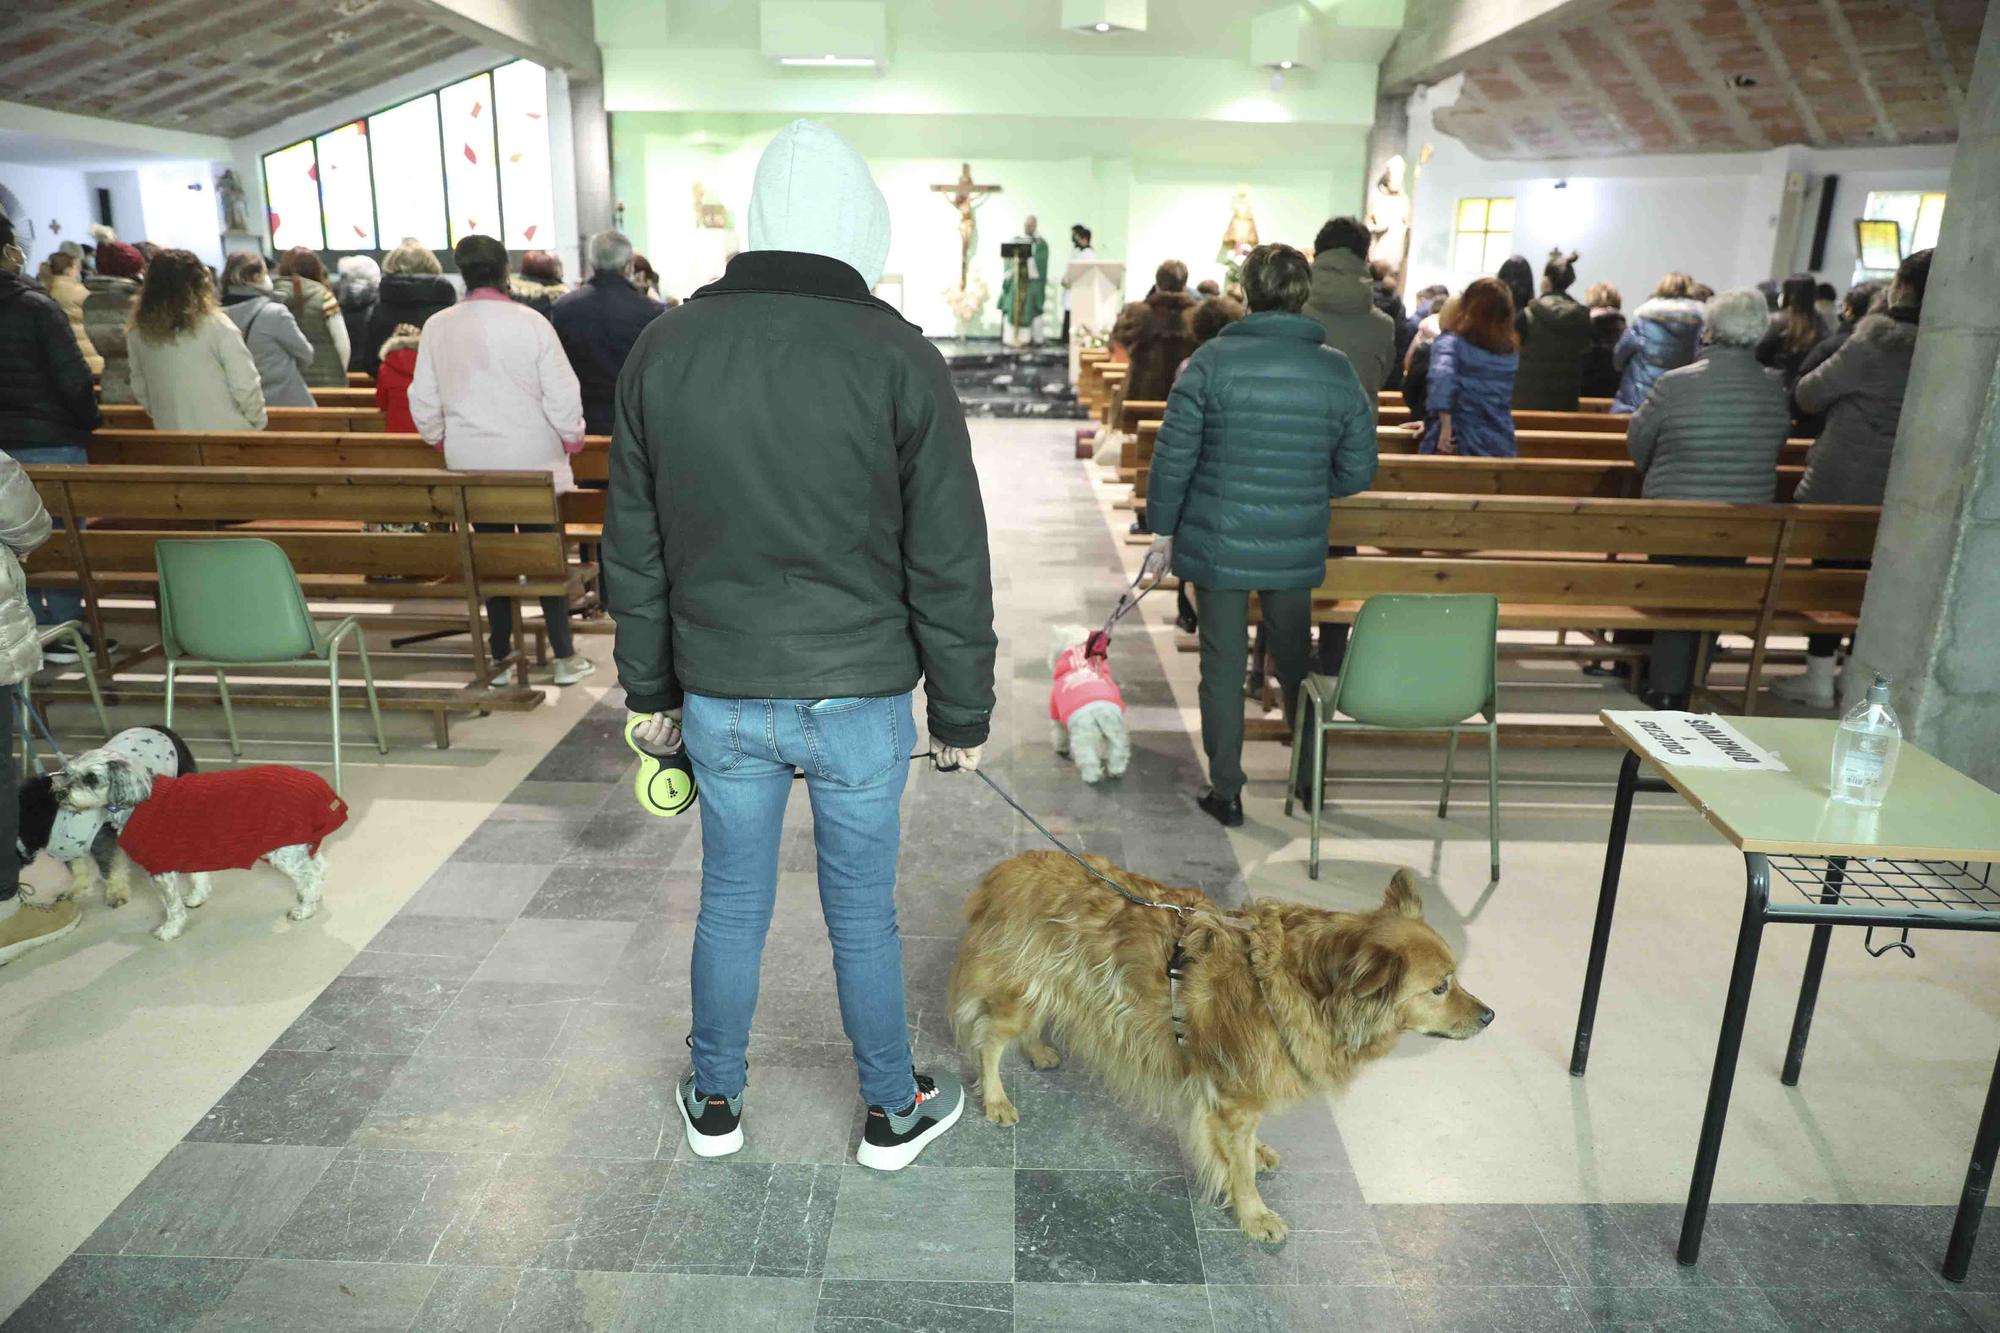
{"points": [[1697, 740]]}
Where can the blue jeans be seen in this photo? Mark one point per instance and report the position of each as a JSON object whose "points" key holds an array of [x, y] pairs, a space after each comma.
{"points": [[855, 756], [52, 606]]}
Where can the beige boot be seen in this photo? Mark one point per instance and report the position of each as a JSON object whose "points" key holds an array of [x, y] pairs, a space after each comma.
{"points": [[30, 926]]}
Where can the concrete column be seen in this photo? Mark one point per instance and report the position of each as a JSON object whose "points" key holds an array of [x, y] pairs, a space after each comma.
{"points": [[1932, 614], [590, 130]]}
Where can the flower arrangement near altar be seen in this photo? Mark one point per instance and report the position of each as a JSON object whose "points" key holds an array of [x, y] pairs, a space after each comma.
{"points": [[967, 303]]}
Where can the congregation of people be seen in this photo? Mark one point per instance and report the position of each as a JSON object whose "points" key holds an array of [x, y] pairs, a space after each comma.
{"points": [[1262, 427]]}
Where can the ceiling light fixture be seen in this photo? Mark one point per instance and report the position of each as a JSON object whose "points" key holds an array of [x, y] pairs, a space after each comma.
{"points": [[1285, 39], [825, 34], [1096, 18], [1101, 27], [828, 62]]}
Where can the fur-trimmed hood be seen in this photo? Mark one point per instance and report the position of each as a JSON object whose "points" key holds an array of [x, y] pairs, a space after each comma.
{"points": [[1893, 331], [407, 337], [1671, 310], [533, 289]]}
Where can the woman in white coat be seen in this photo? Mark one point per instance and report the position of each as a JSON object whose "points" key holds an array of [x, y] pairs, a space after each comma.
{"points": [[190, 369]]}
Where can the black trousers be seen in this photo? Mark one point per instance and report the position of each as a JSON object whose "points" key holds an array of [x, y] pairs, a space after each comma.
{"points": [[500, 610], [1225, 637], [1675, 650], [10, 809]]}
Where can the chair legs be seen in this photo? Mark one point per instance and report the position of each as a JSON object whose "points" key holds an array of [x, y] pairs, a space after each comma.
{"points": [[228, 712], [87, 659], [368, 683], [333, 705], [1493, 793], [1450, 757], [170, 692]]}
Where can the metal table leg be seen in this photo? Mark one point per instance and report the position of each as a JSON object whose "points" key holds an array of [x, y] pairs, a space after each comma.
{"points": [[1607, 901], [1978, 1178], [1748, 937], [1802, 1017]]}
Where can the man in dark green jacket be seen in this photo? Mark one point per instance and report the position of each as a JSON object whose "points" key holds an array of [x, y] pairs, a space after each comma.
{"points": [[1265, 426], [794, 534]]}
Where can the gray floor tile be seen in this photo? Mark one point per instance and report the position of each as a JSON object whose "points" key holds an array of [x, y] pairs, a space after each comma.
{"points": [[1339, 1249], [1678, 1310], [1070, 1123], [576, 953], [215, 1200], [459, 1105], [502, 1020], [102, 1293], [654, 1028], [1104, 1226], [1924, 1232], [1654, 1229], [519, 842], [494, 891], [621, 831], [521, 1300], [1824, 1310], [676, 1302], [382, 1015], [1319, 1309], [586, 891], [795, 1113], [742, 1219], [1465, 1245], [449, 948], [322, 1298], [1307, 1140], [1983, 1307], [1495, 1310], [312, 1098], [386, 1206], [562, 801], [1594, 1250], [560, 1212], [610, 1108], [915, 1307], [1823, 1245], [1307, 1200], [942, 1224]]}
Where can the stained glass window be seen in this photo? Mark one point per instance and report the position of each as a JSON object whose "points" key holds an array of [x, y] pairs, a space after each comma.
{"points": [[291, 194], [527, 192], [472, 185], [409, 175], [347, 196]]}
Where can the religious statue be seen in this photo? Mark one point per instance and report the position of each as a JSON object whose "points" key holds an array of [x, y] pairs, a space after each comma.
{"points": [[235, 205], [966, 197], [1239, 238], [710, 214], [1025, 292], [1388, 219]]}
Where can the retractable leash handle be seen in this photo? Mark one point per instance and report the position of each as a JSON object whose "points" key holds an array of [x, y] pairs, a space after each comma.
{"points": [[665, 783]]}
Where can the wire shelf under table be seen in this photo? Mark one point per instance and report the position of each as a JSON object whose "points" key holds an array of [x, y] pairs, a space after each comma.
{"points": [[1893, 883]]}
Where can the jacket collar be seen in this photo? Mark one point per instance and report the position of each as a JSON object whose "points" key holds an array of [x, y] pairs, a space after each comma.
{"points": [[1276, 324], [794, 273], [611, 282]]}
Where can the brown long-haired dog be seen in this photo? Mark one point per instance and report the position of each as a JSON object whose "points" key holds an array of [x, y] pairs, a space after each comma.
{"points": [[1280, 1001]]}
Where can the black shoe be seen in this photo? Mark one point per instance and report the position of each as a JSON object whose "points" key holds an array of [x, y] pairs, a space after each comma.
{"points": [[1186, 623], [1661, 701], [1139, 527], [63, 652], [893, 1139], [1226, 811], [714, 1124], [1603, 670]]}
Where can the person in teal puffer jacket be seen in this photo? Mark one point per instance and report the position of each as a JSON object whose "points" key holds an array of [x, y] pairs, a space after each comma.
{"points": [[1264, 427]]}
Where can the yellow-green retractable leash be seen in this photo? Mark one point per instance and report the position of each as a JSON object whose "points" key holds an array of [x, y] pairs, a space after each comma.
{"points": [[665, 785]]}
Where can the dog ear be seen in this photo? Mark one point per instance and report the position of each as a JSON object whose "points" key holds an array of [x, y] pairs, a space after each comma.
{"points": [[1401, 896], [125, 783], [1365, 1008]]}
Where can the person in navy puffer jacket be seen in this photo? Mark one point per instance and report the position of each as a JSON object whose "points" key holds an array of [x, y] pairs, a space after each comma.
{"points": [[1664, 335], [1264, 427], [1469, 400]]}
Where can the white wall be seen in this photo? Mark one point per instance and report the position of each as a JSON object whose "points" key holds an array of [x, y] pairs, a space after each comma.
{"points": [[49, 195], [1635, 218]]}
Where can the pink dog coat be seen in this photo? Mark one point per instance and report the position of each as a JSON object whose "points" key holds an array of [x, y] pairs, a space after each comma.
{"points": [[1081, 680]]}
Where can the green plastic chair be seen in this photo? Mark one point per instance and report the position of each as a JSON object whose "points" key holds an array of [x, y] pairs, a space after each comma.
{"points": [[236, 602], [1415, 662]]}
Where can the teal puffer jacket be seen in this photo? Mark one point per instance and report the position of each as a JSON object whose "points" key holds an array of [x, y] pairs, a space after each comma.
{"points": [[1264, 427]]}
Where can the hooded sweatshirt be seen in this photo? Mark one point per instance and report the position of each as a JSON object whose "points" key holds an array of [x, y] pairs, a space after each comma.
{"points": [[1343, 301], [814, 194]]}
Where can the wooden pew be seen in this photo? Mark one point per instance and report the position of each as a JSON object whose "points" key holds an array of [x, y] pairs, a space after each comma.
{"points": [[360, 379], [352, 395], [1564, 444], [317, 515], [131, 416]]}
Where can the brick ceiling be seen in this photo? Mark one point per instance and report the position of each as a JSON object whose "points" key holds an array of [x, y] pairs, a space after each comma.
{"points": [[1663, 76], [222, 67]]}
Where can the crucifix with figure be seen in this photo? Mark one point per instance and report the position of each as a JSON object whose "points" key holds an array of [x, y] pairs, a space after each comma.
{"points": [[966, 197]]}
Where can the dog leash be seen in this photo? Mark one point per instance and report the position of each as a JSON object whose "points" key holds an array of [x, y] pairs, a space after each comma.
{"points": [[1154, 565]]}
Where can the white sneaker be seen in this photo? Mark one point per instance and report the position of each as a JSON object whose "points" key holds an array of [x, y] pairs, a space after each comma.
{"points": [[570, 670], [1816, 688]]}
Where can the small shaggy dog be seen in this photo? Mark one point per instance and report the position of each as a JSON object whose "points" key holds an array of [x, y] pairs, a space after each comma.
{"points": [[1279, 1001], [206, 822], [1086, 711], [86, 840]]}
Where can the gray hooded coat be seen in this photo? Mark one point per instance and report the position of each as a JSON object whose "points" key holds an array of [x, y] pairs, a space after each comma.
{"points": [[1860, 390]]}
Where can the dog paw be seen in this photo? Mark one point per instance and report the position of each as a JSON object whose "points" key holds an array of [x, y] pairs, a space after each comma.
{"points": [[300, 913], [1041, 1057], [117, 899], [167, 930], [1266, 1226], [1267, 1157], [1001, 1111]]}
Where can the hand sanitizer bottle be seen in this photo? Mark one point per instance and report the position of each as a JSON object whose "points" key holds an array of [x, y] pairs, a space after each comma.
{"points": [[1865, 748]]}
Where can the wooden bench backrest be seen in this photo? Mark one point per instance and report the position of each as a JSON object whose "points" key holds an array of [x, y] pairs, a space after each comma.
{"points": [[315, 514], [130, 416], [1564, 444], [352, 396], [1582, 478]]}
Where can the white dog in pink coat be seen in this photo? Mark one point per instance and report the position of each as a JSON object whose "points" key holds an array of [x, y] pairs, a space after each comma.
{"points": [[1086, 711]]}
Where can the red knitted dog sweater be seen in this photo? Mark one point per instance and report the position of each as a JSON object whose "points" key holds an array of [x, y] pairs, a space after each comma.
{"points": [[229, 819]]}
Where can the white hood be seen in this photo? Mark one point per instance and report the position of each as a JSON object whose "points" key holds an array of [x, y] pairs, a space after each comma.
{"points": [[814, 194]]}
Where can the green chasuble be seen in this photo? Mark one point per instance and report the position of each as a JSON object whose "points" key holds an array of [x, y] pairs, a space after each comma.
{"points": [[1036, 294]]}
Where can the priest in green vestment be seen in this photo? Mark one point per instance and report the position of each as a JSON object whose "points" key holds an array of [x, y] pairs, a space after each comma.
{"points": [[1021, 302]]}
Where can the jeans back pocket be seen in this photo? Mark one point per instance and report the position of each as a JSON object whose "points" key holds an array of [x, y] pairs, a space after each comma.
{"points": [[853, 742]]}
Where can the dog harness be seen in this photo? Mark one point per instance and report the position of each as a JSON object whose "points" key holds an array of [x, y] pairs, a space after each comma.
{"points": [[230, 819], [150, 750]]}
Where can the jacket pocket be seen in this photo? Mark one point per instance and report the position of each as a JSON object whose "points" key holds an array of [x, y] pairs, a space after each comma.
{"points": [[854, 742]]}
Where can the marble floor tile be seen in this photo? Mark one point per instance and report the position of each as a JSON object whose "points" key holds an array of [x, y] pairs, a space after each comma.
{"points": [[1825, 1245], [574, 953], [1466, 1245], [213, 1200], [502, 1020], [1104, 1226], [322, 1298], [742, 1219], [521, 1300], [1874, 1310], [675, 1302], [610, 1107], [622, 832], [653, 1028], [560, 1212], [915, 1307], [1068, 1121], [459, 1104], [1455, 1309], [1041, 1307], [600, 891], [1320, 1309], [496, 891], [386, 1206], [379, 1015], [519, 842], [556, 801], [939, 1224], [448, 948], [103, 1293], [311, 1098], [1678, 1310], [794, 1113], [1334, 1246]]}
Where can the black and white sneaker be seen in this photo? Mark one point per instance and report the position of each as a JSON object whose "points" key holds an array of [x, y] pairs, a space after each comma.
{"points": [[714, 1123], [63, 653], [893, 1139]]}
